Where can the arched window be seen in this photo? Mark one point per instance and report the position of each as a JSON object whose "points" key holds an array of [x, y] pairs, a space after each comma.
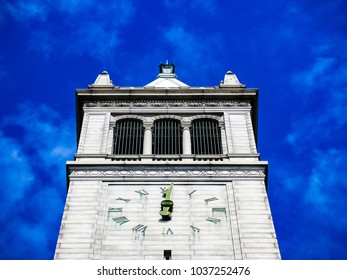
{"points": [[167, 137], [128, 137], [205, 137]]}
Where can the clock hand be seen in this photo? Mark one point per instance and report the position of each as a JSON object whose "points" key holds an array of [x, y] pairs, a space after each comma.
{"points": [[167, 204]]}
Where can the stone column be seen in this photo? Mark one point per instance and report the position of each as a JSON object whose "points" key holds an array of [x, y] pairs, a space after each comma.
{"points": [[187, 147], [223, 135], [147, 137]]}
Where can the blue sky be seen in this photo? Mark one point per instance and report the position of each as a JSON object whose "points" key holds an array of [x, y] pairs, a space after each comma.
{"points": [[295, 52]]}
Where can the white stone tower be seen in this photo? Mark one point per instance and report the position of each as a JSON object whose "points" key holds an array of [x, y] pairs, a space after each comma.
{"points": [[193, 148]]}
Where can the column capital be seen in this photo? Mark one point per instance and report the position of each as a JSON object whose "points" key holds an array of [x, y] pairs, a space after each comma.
{"points": [[148, 126], [186, 123], [148, 123], [221, 124]]}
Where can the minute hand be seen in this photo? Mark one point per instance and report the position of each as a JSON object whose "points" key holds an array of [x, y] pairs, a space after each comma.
{"points": [[167, 204], [168, 192]]}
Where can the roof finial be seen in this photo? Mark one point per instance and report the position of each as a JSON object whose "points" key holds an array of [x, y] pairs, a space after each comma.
{"points": [[167, 68], [103, 80], [230, 80], [167, 77]]}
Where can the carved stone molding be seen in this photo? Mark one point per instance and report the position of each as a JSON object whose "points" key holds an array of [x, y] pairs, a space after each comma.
{"points": [[148, 123], [157, 173], [221, 125], [186, 123], [191, 103]]}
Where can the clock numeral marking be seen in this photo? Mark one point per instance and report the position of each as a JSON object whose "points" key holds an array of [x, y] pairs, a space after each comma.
{"points": [[169, 231], [142, 192], [190, 194], [219, 209], [124, 199], [163, 190], [140, 228], [121, 220], [211, 199], [213, 220], [112, 209], [194, 228]]}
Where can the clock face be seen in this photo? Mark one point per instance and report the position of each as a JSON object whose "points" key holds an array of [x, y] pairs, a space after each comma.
{"points": [[136, 221]]}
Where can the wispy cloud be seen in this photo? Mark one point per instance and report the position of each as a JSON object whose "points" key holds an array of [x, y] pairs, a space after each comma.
{"points": [[101, 41], [194, 51], [74, 6], [173, 3], [96, 35], [24, 10], [309, 176], [324, 184], [317, 74], [36, 141], [310, 204], [321, 93], [206, 6], [15, 172], [42, 42]]}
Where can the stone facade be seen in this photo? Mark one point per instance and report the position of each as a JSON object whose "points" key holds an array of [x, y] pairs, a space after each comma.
{"points": [[221, 208]]}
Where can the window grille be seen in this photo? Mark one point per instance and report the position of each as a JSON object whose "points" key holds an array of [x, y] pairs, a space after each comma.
{"points": [[128, 137], [167, 139], [206, 137]]}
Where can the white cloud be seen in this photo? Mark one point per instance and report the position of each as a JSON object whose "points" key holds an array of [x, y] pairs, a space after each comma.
{"points": [[336, 107], [194, 52], [311, 174], [56, 135], [35, 144], [307, 193], [15, 171], [95, 40], [96, 35], [324, 126], [321, 92], [318, 73], [24, 10], [186, 43], [74, 6], [325, 187]]}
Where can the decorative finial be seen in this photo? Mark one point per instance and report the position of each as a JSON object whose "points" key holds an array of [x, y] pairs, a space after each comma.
{"points": [[167, 68], [230, 80], [103, 80]]}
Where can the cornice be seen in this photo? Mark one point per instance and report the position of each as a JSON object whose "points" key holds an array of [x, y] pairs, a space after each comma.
{"points": [[167, 173], [181, 90], [167, 104], [84, 169]]}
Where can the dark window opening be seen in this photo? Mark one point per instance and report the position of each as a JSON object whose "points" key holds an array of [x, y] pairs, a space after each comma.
{"points": [[167, 255], [206, 137], [128, 137], [167, 137]]}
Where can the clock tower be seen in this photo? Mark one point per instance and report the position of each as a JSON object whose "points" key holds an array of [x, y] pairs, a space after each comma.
{"points": [[167, 171]]}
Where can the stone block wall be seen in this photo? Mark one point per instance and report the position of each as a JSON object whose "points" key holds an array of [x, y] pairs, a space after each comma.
{"points": [[211, 220]]}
